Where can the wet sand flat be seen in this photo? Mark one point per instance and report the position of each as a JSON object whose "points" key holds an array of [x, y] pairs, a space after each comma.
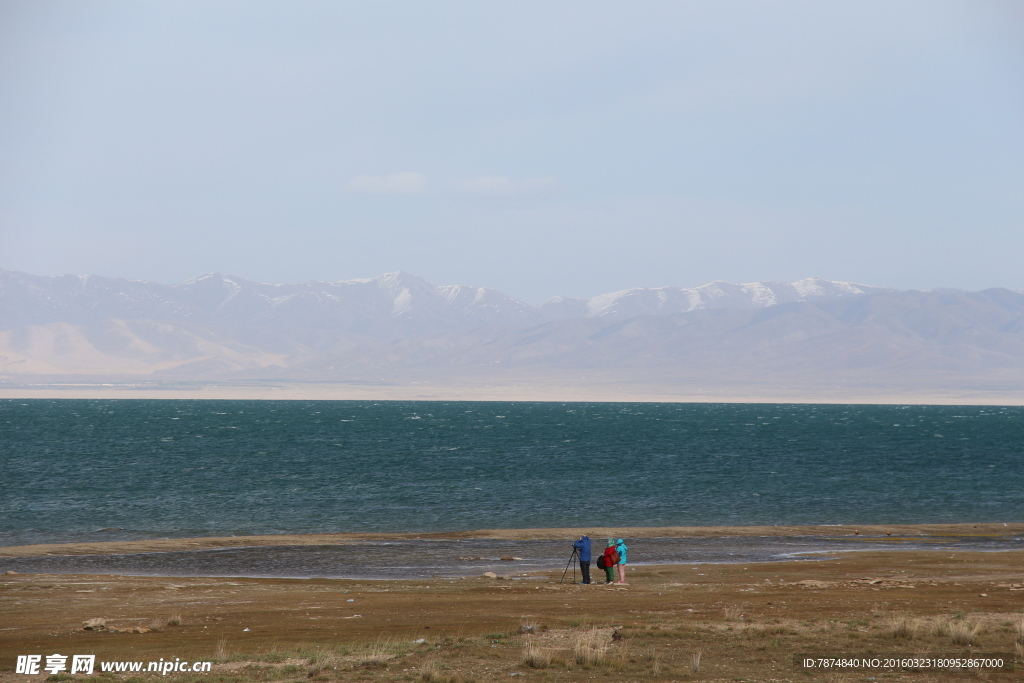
{"points": [[179, 544]]}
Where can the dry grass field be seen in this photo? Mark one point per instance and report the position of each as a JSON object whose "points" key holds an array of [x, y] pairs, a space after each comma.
{"points": [[742, 622]]}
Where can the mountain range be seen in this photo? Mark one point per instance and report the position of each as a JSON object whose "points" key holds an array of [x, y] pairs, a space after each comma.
{"points": [[392, 304], [800, 338]]}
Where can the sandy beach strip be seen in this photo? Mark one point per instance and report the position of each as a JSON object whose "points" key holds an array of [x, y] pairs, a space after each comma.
{"points": [[209, 543]]}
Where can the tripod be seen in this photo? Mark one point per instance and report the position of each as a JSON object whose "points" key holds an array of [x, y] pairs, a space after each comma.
{"points": [[573, 559]]}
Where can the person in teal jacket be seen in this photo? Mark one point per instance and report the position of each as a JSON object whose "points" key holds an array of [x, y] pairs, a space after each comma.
{"points": [[621, 548]]}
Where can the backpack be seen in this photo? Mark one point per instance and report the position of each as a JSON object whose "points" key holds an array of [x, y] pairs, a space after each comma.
{"points": [[601, 563]]}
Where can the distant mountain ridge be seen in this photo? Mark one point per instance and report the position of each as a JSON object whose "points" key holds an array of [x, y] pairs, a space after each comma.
{"points": [[399, 330], [393, 303], [382, 305]]}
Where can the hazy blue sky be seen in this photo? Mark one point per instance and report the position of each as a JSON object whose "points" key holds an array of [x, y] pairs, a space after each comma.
{"points": [[540, 148]]}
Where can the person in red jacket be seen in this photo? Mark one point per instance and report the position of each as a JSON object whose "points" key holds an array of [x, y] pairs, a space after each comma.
{"points": [[609, 560]]}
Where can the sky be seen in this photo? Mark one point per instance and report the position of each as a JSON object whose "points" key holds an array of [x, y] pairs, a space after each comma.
{"points": [[539, 148]]}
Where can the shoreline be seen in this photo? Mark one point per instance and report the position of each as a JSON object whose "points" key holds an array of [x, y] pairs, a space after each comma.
{"points": [[989, 529], [498, 390]]}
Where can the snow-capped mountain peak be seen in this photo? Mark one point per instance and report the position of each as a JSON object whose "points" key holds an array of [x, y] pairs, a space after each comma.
{"points": [[630, 303]]}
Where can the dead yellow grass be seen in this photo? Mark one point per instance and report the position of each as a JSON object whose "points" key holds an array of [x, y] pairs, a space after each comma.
{"points": [[963, 632], [537, 657], [431, 672], [379, 652], [590, 646], [903, 626]]}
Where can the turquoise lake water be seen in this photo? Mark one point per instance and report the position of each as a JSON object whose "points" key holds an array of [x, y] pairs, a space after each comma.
{"points": [[75, 470]]}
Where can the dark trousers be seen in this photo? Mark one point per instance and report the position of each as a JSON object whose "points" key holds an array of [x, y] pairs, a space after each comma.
{"points": [[585, 568]]}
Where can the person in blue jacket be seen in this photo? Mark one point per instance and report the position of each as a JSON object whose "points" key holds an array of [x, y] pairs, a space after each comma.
{"points": [[621, 548], [583, 546]]}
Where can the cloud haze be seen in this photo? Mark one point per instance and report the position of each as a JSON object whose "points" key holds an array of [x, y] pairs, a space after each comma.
{"points": [[868, 141], [397, 183], [500, 186]]}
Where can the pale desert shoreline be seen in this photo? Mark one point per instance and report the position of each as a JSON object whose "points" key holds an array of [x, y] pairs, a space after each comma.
{"points": [[867, 531], [525, 390]]}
